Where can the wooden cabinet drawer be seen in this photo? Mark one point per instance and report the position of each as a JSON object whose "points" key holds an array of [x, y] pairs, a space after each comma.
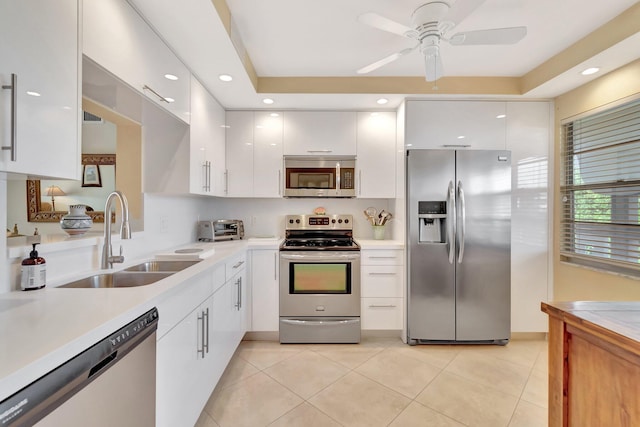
{"points": [[381, 257], [382, 313], [381, 281]]}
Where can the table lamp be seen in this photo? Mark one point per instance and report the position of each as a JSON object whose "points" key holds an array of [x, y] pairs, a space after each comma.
{"points": [[53, 191]]}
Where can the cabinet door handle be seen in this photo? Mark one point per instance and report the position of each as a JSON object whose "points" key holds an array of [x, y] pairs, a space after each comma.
{"points": [[382, 257], [162, 98], [238, 304], [275, 266], [14, 118], [319, 151], [226, 181], [204, 176], [201, 319], [238, 264], [279, 182], [382, 306], [206, 315], [381, 274]]}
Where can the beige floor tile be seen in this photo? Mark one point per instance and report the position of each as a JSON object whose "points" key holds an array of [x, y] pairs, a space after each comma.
{"points": [[542, 363], [304, 415], [263, 354], [236, 370], [417, 415], [306, 373], [500, 374], [529, 415], [401, 373], [355, 400], [205, 420], [522, 352], [536, 390], [350, 356], [252, 402], [437, 355], [468, 402]]}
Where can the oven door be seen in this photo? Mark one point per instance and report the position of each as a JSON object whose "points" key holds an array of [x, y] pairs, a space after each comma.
{"points": [[320, 283]]}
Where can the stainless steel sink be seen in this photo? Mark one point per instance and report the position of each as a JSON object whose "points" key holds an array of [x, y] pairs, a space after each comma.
{"points": [[164, 266], [121, 279]]}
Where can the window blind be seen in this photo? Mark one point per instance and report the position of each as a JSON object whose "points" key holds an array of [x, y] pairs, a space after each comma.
{"points": [[600, 189]]}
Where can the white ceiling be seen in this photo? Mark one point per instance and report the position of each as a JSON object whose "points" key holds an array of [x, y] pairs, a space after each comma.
{"points": [[311, 38]]}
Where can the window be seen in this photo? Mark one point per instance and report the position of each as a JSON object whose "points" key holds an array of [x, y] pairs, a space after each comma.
{"points": [[600, 189]]}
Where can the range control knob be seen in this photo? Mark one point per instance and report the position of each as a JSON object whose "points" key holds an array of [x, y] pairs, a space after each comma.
{"points": [[333, 221], [297, 221], [290, 221], [346, 221], [340, 221]]}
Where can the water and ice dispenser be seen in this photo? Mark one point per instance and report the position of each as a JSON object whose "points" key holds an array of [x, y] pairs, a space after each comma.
{"points": [[432, 216]]}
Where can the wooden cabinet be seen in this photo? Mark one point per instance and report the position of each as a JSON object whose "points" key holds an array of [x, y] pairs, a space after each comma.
{"points": [[119, 40], [207, 143], [40, 47], [264, 290], [594, 364], [376, 160], [382, 289], [476, 125], [317, 133], [254, 153]]}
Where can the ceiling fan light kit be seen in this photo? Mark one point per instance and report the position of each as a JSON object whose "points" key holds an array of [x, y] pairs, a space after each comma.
{"points": [[430, 23]]}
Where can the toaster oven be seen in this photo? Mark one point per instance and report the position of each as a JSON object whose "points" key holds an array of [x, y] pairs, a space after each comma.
{"points": [[220, 229]]}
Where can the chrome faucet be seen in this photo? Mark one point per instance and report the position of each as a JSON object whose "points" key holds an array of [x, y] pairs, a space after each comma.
{"points": [[125, 230]]}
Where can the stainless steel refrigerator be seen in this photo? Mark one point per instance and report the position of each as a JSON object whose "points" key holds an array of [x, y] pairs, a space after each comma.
{"points": [[459, 246]]}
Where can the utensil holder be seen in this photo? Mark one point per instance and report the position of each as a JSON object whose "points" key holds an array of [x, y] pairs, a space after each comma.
{"points": [[378, 232]]}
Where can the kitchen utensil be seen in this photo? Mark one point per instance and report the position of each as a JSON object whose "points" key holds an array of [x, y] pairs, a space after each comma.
{"points": [[371, 211], [369, 217], [386, 218]]}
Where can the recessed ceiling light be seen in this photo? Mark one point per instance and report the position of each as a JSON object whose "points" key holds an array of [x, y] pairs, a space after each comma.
{"points": [[589, 71], [382, 101], [225, 126], [267, 101], [461, 137], [225, 77], [170, 77], [501, 116], [32, 93], [274, 115], [170, 100]]}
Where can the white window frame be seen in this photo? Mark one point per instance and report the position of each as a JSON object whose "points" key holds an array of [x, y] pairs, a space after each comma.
{"points": [[600, 189]]}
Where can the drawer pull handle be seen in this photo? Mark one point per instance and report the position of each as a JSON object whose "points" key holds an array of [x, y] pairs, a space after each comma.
{"points": [[238, 264], [382, 257], [382, 274], [382, 306]]}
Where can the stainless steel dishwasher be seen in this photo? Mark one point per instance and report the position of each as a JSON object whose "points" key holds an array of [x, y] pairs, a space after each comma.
{"points": [[112, 383]]}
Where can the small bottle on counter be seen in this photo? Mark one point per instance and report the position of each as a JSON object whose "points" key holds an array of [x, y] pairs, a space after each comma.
{"points": [[34, 271]]}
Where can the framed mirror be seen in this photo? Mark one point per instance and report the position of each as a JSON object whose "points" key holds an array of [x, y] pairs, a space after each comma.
{"points": [[37, 211]]}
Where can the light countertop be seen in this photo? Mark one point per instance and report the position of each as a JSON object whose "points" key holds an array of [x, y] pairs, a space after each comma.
{"points": [[41, 329]]}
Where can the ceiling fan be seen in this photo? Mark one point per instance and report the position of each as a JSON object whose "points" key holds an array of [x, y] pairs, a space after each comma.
{"points": [[430, 24]]}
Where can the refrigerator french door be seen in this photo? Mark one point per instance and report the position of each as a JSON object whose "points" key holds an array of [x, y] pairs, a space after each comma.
{"points": [[459, 246]]}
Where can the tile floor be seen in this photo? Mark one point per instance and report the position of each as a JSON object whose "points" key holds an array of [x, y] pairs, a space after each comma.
{"points": [[381, 382]]}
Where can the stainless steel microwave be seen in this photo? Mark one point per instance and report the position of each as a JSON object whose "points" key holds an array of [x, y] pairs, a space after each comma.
{"points": [[319, 176]]}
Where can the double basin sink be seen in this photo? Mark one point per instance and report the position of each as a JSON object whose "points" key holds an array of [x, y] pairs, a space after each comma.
{"points": [[138, 275]]}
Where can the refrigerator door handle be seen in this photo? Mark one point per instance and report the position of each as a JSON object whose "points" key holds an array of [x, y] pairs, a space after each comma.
{"points": [[462, 221], [451, 221]]}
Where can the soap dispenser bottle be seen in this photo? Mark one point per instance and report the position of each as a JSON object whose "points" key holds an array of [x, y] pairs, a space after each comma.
{"points": [[34, 271]]}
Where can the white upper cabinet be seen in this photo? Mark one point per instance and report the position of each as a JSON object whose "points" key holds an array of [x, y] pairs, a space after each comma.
{"points": [[239, 153], [267, 154], [475, 125], [207, 142], [316, 133], [376, 161], [39, 115], [118, 39], [254, 154]]}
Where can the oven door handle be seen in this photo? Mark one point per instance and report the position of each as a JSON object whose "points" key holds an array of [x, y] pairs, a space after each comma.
{"points": [[322, 256], [319, 322]]}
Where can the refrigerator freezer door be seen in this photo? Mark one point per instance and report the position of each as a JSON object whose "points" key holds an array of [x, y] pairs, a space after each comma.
{"points": [[431, 303], [483, 285]]}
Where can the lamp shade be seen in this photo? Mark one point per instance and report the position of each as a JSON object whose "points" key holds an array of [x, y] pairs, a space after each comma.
{"points": [[54, 190]]}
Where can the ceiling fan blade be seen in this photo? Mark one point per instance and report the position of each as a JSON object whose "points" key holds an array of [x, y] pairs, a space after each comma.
{"points": [[461, 9], [385, 61], [385, 24], [433, 66], [494, 36]]}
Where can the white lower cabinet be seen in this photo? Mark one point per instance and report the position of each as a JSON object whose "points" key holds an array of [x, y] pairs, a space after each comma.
{"points": [[381, 276], [265, 304], [201, 325]]}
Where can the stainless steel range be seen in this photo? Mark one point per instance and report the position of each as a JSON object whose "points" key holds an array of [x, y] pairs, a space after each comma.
{"points": [[319, 280]]}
